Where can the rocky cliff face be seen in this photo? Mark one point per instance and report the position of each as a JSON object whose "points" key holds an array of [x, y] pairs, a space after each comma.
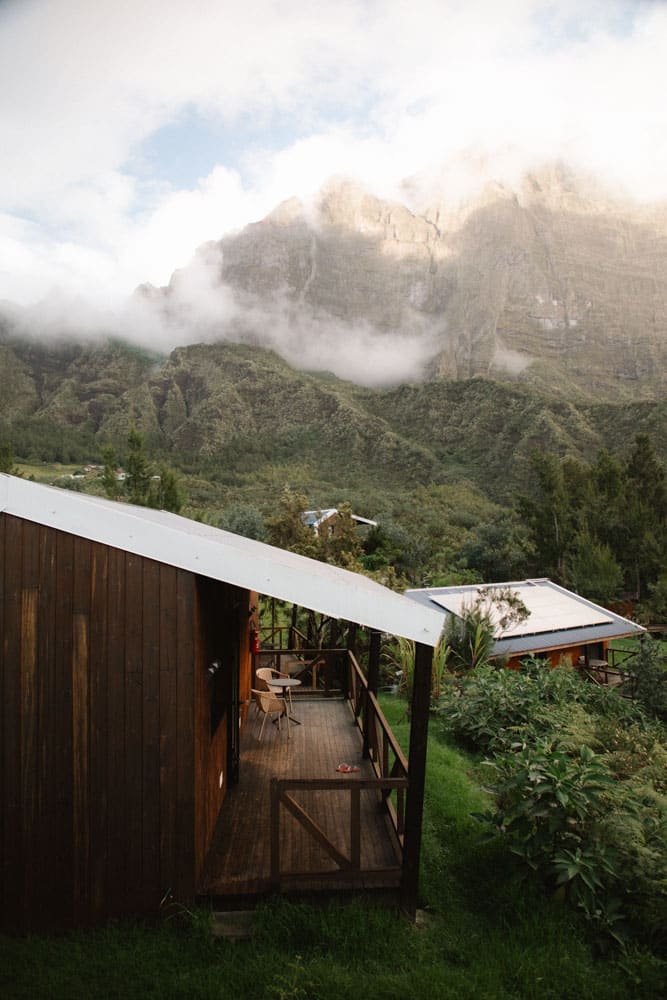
{"points": [[552, 284]]}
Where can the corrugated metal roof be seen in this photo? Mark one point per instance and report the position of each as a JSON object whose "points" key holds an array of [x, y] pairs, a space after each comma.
{"points": [[221, 555], [313, 518], [557, 618]]}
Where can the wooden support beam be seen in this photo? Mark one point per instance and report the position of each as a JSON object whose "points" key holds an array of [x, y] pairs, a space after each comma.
{"points": [[421, 700], [373, 681], [374, 662]]}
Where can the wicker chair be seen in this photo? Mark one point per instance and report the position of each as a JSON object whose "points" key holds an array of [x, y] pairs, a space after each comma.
{"points": [[264, 675], [268, 703]]}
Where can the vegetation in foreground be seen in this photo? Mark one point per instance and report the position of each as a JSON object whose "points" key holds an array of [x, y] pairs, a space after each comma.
{"points": [[486, 932]]}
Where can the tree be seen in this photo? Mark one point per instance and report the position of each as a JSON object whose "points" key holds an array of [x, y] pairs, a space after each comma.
{"points": [[593, 571], [109, 472], [499, 549], [141, 485], [650, 669], [645, 517], [286, 529], [138, 479], [244, 519], [549, 513], [342, 545], [7, 461], [164, 493]]}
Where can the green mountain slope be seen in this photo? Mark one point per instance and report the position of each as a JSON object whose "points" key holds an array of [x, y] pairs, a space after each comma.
{"points": [[242, 418]]}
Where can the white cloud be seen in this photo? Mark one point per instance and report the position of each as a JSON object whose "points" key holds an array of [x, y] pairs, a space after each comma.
{"points": [[379, 89]]}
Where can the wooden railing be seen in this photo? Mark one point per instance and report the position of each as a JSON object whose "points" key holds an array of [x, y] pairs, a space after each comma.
{"points": [[390, 785], [348, 863], [611, 673], [380, 745], [282, 637], [319, 663]]}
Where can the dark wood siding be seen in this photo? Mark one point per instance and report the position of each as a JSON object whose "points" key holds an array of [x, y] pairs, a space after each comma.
{"points": [[105, 741], [221, 634]]}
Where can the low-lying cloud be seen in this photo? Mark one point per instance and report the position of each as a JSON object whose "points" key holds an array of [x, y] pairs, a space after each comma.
{"points": [[197, 307]]}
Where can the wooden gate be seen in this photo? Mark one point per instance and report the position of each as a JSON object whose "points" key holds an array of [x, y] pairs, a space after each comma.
{"points": [[342, 844]]}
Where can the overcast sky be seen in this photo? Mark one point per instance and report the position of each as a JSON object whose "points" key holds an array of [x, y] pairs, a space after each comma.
{"points": [[134, 130]]}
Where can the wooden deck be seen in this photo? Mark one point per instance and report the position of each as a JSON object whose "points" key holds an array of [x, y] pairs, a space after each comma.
{"points": [[239, 862]]}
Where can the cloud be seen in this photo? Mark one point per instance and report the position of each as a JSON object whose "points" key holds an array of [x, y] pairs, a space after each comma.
{"points": [[198, 307], [377, 89]]}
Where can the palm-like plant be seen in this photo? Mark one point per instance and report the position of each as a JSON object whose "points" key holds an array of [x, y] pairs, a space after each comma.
{"points": [[468, 640]]}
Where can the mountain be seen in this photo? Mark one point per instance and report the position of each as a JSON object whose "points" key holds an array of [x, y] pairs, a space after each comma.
{"points": [[471, 332], [553, 284], [239, 417]]}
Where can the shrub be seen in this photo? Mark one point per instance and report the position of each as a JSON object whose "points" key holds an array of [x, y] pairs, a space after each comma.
{"points": [[580, 786]]}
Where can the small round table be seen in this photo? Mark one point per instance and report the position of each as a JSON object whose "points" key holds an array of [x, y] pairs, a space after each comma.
{"points": [[286, 683]]}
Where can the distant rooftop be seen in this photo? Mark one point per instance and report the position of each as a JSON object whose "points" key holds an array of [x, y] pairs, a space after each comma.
{"points": [[314, 518], [557, 617]]}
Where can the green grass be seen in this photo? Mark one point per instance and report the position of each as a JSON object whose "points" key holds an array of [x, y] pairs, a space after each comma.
{"points": [[485, 935], [47, 472]]}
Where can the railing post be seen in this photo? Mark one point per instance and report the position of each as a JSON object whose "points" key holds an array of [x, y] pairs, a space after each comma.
{"points": [[421, 700], [373, 680]]}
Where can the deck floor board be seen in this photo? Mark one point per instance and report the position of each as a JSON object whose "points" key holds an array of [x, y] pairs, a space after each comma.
{"points": [[239, 861]]}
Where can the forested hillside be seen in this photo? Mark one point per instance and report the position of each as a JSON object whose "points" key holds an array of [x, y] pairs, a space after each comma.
{"points": [[463, 477]]}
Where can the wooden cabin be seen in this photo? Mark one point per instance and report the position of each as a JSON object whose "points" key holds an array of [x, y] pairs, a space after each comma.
{"points": [[125, 675], [561, 626]]}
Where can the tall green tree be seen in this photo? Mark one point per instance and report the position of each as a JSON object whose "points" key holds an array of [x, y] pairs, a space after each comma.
{"points": [[645, 517], [550, 514], [110, 472], [141, 486], [138, 478], [7, 460], [499, 549], [244, 519], [342, 546], [593, 571], [164, 492], [286, 528]]}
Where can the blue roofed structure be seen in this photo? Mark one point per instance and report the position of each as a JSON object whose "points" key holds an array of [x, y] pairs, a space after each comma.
{"points": [[559, 622]]}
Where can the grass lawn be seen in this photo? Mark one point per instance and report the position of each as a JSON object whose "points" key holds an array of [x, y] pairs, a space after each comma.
{"points": [[485, 934]]}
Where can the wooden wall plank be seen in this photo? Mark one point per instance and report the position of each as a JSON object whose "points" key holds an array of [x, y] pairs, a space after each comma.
{"points": [[133, 728], [49, 830], [2, 712], [116, 735], [151, 894], [31, 783], [80, 770], [30, 708], [80, 729], [99, 730], [168, 730], [62, 701], [13, 858], [185, 765], [205, 651]]}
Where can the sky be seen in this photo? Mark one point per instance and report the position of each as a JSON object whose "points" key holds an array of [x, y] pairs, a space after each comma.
{"points": [[135, 130]]}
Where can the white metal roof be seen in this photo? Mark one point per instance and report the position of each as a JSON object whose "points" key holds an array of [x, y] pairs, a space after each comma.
{"points": [[557, 617], [221, 555], [314, 518], [547, 608]]}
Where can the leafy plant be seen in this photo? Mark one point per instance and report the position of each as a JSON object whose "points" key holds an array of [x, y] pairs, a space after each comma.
{"points": [[650, 669]]}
